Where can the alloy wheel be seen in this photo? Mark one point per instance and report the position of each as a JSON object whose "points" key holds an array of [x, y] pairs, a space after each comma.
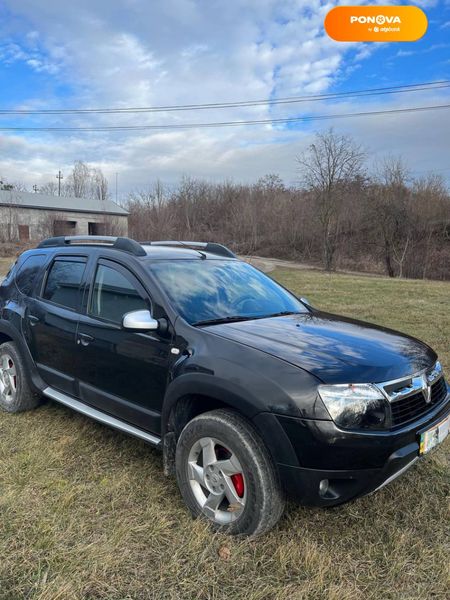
{"points": [[8, 378], [217, 480]]}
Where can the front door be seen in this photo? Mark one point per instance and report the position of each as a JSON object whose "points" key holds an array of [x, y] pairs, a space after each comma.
{"points": [[123, 373]]}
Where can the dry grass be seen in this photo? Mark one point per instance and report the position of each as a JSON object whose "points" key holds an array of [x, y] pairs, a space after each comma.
{"points": [[5, 264], [86, 512]]}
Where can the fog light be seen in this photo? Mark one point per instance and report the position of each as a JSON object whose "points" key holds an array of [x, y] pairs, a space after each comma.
{"points": [[323, 487]]}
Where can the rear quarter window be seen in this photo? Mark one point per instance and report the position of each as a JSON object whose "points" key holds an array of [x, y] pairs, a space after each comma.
{"points": [[27, 273], [9, 275]]}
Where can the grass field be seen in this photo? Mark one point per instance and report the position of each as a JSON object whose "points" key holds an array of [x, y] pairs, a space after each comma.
{"points": [[86, 513], [5, 263]]}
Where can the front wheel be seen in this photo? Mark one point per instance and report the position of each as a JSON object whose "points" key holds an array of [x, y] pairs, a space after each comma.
{"points": [[226, 474]]}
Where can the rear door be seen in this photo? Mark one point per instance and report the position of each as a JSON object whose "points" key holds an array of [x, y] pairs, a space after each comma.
{"points": [[51, 322]]}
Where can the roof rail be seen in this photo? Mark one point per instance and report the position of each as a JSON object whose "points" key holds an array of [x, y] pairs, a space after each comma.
{"points": [[210, 247], [118, 243]]}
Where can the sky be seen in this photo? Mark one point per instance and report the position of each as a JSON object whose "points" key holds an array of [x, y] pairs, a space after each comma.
{"points": [[143, 53]]}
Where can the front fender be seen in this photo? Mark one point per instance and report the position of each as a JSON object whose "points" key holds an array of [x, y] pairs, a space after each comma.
{"points": [[245, 378]]}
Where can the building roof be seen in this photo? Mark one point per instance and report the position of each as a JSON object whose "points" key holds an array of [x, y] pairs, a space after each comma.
{"points": [[60, 203]]}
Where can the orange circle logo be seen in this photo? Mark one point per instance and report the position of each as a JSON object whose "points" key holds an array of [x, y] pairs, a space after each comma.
{"points": [[376, 23]]}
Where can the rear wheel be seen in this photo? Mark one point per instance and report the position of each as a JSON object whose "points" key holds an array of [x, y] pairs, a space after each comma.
{"points": [[15, 393], [226, 474]]}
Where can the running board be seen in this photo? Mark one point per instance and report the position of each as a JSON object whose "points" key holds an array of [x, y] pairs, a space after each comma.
{"points": [[100, 416]]}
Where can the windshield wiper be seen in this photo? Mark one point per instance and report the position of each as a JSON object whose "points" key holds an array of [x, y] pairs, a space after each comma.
{"points": [[237, 318], [282, 314], [218, 320]]}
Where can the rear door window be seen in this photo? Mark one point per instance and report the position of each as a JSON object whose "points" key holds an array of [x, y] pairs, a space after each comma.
{"points": [[63, 282]]}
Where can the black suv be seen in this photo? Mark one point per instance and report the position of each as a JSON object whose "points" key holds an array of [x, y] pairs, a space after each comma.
{"points": [[250, 392]]}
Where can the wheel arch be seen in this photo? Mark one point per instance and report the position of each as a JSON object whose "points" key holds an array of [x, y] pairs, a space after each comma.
{"points": [[8, 333], [197, 393], [5, 338], [193, 395]]}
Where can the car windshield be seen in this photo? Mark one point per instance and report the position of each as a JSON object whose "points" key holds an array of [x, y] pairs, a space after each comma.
{"points": [[205, 291]]}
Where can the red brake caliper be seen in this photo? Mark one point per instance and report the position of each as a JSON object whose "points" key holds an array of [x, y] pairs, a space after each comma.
{"points": [[238, 482], [11, 364], [238, 479]]}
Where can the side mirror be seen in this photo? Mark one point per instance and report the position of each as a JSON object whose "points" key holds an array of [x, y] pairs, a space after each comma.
{"points": [[139, 320], [306, 301]]}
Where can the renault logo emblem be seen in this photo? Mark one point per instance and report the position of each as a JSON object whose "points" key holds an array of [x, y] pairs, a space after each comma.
{"points": [[426, 389]]}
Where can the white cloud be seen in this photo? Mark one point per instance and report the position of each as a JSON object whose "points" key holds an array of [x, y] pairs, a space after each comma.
{"points": [[31, 53], [140, 53], [431, 48]]}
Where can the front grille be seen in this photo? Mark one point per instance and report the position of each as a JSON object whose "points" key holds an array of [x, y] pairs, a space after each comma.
{"points": [[410, 407]]}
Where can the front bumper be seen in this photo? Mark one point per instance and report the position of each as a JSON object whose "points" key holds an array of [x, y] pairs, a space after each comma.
{"points": [[343, 485], [350, 464]]}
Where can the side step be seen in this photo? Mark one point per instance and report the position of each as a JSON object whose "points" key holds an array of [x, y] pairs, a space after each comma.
{"points": [[100, 416]]}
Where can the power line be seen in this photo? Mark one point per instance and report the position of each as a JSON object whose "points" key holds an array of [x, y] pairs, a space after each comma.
{"points": [[430, 170], [418, 87], [233, 123]]}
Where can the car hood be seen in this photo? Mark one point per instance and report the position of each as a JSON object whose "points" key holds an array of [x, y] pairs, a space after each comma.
{"points": [[334, 349]]}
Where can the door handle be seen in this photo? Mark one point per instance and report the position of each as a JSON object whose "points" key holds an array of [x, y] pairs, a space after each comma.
{"points": [[84, 339], [33, 320]]}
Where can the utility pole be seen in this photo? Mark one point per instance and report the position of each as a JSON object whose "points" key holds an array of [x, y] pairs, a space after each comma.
{"points": [[35, 188], [117, 178], [59, 177]]}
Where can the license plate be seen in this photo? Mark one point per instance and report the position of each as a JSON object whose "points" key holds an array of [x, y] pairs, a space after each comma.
{"points": [[434, 436]]}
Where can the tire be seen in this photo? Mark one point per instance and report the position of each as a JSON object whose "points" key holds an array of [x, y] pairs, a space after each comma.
{"points": [[225, 474], [15, 392]]}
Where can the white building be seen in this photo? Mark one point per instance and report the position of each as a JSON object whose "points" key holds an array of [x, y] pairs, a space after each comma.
{"points": [[26, 216]]}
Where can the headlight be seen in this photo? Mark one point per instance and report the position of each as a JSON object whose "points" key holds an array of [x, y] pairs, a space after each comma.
{"points": [[435, 372], [355, 406]]}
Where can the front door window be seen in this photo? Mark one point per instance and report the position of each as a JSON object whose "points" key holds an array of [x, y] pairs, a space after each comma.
{"points": [[113, 295]]}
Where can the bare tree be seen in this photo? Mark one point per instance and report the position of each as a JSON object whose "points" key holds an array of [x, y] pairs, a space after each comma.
{"points": [[83, 182], [390, 214], [339, 217], [386, 220], [12, 185], [99, 185], [80, 180], [150, 215], [431, 209], [327, 167], [50, 188], [9, 215]]}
